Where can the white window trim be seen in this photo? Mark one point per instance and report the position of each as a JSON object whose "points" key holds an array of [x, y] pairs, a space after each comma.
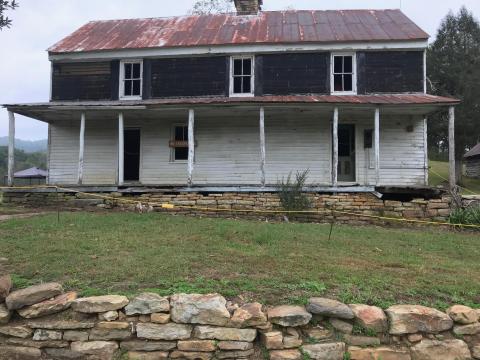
{"points": [[354, 73], [172, 150], [121, 90], [252, 79]]}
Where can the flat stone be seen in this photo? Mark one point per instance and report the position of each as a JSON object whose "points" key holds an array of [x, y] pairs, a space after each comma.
{"points": [[471, 329], [32, 295], [19, 353], [44, 335], [5, 287], [113, 325], [476, 351], [190, 355], [272, 340], [147, 345], [327, 351], [75, 335], [235, 345], [100, 304], [48, 307], [159, 318], [330, 308], [318, 333], [234, 354], [341, 326], [154, 355], [5, 314], [199, 309], [290, 342], [196, 345], [413, 338], [249, 315], [64, 354], [38, 344], [380, 353], [61, 325], [444, 350], [285, 355], [356, 340], [370, 317], [410, 319], [289, 315], [108, 316], [19, 331], [463, 314], [222, 333], [163, 332], [95, 347], [109, 334], [147, 303]]}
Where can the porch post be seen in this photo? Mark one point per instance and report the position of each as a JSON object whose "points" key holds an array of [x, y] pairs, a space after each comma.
{"points": [[377, 146], [425, 148], [451, 146], [81, 149], [191, 145], [11, 147], [335, 148], [262, 146], [120, 149]]}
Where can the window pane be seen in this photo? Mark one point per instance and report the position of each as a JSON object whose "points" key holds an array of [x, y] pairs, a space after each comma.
{"points": [[136, 71], [338, 64], [247, 66], [185, 133], [179, 133], [128, 87], [337, 83], [237, 85], [136, 87], [237, 67], [247, 85], [181, 153], [128, 71], [347, 64], [347, 82]]}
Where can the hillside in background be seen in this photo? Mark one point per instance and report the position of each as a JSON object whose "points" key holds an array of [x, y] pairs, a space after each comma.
{"points": [[23, 160], [27, 145]]}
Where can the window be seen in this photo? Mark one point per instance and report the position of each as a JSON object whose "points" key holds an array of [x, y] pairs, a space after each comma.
{"points": [[131, 73], [242, 76], [179, 143], [343, 74]]}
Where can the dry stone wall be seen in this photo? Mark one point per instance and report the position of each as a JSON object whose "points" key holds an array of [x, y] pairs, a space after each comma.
{"points": [[43, 322]]}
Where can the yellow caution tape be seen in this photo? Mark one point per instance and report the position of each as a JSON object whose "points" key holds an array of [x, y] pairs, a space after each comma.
{"points": [[461, 187]]}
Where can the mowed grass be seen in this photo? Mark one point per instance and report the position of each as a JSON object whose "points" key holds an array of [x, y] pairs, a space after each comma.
{"points": [[439, 172], [100, 253]]}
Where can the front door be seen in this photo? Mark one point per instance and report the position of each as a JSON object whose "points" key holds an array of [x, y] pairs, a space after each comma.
{"points": [[131, 155], [346, 153]]}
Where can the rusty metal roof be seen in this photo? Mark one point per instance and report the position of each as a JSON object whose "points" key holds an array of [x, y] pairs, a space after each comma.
{"points": [[475, 151], [269, 27]]}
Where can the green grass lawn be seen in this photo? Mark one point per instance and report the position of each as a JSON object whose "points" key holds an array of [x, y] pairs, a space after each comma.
{"points": [[269, 262], [439, 170]]}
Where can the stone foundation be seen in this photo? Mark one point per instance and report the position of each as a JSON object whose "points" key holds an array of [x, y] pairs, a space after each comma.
{"points": [[347, 207], [42, 322]]}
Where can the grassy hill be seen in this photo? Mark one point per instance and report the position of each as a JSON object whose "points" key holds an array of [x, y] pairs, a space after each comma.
{"points": [[23, 160], [27, 145], [438, 175]]}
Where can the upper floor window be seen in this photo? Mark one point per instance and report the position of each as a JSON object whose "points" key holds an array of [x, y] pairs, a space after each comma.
{"points": [[242, 76], [344, 78], [131, 73]]}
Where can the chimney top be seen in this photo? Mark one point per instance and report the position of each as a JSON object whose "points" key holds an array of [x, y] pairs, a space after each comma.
{"points": [[248, 7]]}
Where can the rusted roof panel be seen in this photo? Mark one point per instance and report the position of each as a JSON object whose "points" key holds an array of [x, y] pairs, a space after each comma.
{"points": [[475, 151], [269, 27]]}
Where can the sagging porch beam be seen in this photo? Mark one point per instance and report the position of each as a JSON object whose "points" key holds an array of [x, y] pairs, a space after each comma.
{"points": [[335, 148], [451, 147], [377, 145], [191, 145], [121, 154], [81, 150], [11, 148], [262, 146]]}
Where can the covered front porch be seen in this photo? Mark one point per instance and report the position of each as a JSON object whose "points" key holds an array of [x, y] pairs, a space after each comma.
{"points": [[347, 145]]}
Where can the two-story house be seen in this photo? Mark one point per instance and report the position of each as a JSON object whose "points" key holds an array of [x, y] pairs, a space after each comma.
{"points": [[237, 101]]}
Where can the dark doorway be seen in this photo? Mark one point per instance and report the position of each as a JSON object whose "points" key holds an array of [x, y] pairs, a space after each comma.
{"points": [[346, 153], [132, 155]]}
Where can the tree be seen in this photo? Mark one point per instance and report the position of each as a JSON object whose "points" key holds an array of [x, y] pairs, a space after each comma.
{"points": [[454, 70], [212, 6], [4, 6]]}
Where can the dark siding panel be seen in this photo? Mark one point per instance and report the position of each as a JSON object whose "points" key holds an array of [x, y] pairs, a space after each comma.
{"points": [[115, 71], [390, 72], [147, 79], [201, 76], [285, 74], [81, 81]]}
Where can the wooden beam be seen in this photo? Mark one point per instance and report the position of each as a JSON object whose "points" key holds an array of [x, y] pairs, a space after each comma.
{"points": [[377, 145], [425, 148], [81, 150], [262, 146], [11, 148], [335, 148], [191, 145], [120, 149], [451, 146]]}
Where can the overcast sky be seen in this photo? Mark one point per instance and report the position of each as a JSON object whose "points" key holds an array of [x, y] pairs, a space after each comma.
{"points": [[25, 69]]}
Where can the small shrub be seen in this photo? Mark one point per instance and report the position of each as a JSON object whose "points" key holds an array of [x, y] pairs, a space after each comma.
{"points": [[466, 216], [291, 192]]}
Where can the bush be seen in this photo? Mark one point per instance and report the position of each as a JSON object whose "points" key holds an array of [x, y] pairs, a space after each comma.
{"points": [[291, 192], [466, 216]]}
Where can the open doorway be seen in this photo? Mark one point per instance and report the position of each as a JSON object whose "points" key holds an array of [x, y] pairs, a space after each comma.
{"points": [[346, 153], [131, 155]]}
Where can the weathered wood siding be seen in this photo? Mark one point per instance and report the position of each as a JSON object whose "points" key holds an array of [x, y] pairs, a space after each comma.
{"points": [[389, 72], [472, 167], [63, 156]]}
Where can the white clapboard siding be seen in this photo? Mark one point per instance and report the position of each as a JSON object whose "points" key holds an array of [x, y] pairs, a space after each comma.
{"points": [[64, 147]]}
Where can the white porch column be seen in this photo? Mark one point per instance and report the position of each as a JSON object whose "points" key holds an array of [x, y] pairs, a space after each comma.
{"points": [[120, 148], [377, 145], [451, 146], [81, 150], [191, 145], [262, 146], [11, 147], [425, 148], [335, 148]]}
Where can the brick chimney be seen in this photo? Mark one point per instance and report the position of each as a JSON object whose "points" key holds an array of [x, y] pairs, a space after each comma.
{"points": [[248, 7]]}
